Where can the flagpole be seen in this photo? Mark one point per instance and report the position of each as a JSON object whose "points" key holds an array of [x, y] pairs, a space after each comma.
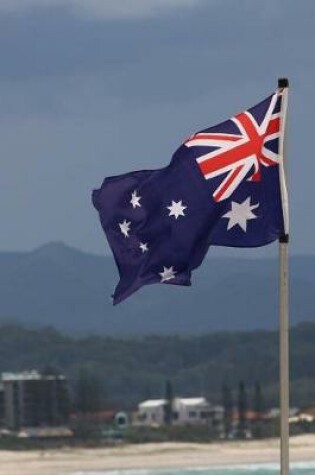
{"points": [[283, 85]]}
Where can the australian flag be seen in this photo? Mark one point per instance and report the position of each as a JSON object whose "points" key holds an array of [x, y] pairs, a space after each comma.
{"points": [[224, 186]]}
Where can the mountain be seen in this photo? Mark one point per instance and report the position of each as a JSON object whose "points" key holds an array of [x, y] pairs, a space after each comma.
{"points": [[56, 285]]}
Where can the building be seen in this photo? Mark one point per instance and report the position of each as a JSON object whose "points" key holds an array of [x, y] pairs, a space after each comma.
{"points": [[185, 411], [32, 399], [192, 410], [102, 418], [151, 412], [304, 415]]}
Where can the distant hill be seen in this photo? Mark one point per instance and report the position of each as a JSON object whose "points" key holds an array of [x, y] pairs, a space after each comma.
{"points": [[70, 290]]}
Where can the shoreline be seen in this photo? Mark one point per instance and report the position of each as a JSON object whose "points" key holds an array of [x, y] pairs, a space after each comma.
{"points": [[172, 455]]}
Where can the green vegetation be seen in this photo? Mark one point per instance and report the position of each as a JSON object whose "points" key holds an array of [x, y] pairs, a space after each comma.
{"points": [[170, 433], [125, 371]]}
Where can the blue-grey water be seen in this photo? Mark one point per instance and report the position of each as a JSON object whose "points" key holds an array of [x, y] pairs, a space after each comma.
{"points": [[300, 468]]}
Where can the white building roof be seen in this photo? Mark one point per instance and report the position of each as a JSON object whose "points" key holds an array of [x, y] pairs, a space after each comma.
{"points": [[25, 375], [192, 401], [28, 376], [152, 403], [178, 401]]}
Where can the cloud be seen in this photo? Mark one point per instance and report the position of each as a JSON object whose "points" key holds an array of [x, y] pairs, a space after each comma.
{"points": [[100, 9], [77, 93]]}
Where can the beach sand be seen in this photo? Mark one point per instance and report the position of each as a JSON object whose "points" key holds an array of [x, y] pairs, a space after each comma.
{"points": [[153, 455]]}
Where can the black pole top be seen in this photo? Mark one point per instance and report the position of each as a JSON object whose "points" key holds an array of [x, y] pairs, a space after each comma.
{"points": [[283, 82], [284, 239]]}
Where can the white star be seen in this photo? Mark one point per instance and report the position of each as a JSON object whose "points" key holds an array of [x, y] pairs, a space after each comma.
{"points": [[177, 209], [135, 200], [167, 274], [125, 228], [240, 213], [144, 246]]}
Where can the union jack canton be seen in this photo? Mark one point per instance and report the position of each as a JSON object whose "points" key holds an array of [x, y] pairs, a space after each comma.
{"points": [[224, 186], [239, 147]]}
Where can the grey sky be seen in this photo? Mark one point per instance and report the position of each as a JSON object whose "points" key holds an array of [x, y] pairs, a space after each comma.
{"points": [[92, 89]]}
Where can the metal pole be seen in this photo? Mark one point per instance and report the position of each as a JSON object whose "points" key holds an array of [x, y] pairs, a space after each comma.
{"points": [[284, 357], [283, 85]]}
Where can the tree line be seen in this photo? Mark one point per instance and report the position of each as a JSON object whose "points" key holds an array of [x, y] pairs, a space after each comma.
{"points": [[122, 372]]}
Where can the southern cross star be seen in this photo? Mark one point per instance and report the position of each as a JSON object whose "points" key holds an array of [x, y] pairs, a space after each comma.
{"points": [[167, 274], [135, 200], [177, 209], [240, 213], [125, 228], [144, 246]]}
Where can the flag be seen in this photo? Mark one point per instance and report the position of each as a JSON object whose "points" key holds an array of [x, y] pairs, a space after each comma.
{"points": [[224, 186]]}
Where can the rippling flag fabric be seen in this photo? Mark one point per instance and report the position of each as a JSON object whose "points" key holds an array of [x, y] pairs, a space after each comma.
{"points": [[223, 186]]}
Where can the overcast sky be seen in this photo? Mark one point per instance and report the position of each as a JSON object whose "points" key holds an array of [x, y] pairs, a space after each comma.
{"points": [[93, 88]]}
